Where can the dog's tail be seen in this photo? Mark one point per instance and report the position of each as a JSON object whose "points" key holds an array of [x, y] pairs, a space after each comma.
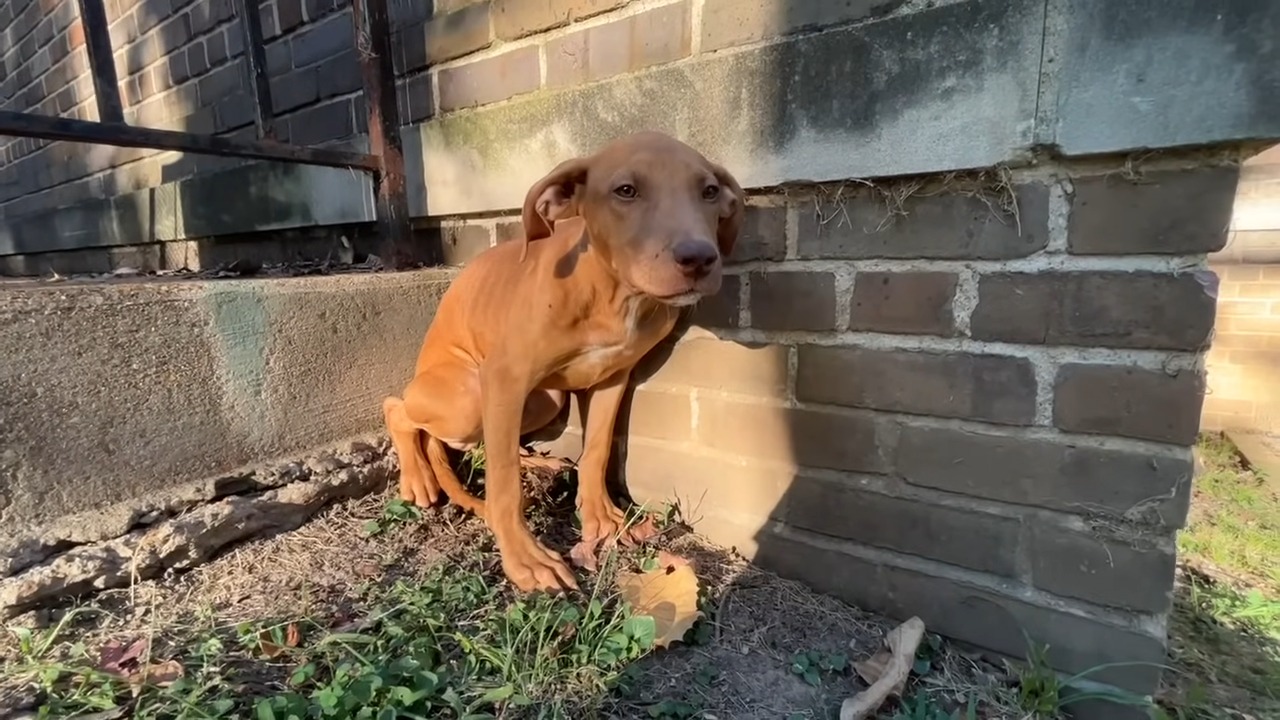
{"points": [[438, 457]]}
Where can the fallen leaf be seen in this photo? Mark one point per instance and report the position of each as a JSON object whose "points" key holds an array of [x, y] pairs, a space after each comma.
{"points": [[583, 556], [120, 659], [159, 674], [872, 669], [670, 597], [270, 649], [903, 641]]}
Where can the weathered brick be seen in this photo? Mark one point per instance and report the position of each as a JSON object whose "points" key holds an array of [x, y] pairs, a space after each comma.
{"points": [[658, 473], [992, 388], [516, 18], [851, 441], [340, 75], [1130, 402], [174, 34], [197, 61], [279, 57], [625, 45], [656, 415], [793, 300], [722, 309], [763, 235], [969, 539], [322, 123], [943, 226], [1174, 212], [216, 48], [1111, 309], [445, 37], [724, 365], [917, 303], [490, 80], [289, 12], [292, 91], [417, 90], [739, 22], [234, 111], [207, 14], [220, 83], [1048, 474], [1135, 573], [179, 72], [463, 242], [964, 612], [322, 40]]}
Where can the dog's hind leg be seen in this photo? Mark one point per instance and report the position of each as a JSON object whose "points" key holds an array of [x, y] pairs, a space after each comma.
{"points": [[418, 483]]}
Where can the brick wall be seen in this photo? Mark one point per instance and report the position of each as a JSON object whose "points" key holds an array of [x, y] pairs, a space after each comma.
{"points": [[1244, 363], [975, 404]]}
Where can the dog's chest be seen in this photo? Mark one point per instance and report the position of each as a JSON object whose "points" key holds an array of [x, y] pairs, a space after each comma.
{"points": [[605, 351]]}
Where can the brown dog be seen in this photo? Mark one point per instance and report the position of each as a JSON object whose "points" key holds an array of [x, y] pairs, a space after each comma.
{"points": [[615, 244]]}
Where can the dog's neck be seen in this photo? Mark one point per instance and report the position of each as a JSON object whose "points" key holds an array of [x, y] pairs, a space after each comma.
{"points": [[598, 276]]}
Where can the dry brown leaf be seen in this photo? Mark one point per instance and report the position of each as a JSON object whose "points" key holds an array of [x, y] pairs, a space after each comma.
{"points": [[903, 642], [159, 674], [120, 659], [872, 669], [270, 649], [670, 597]]}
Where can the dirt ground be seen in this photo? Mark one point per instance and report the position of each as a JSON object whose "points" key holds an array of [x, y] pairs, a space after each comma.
{"points": [[743, 660]]}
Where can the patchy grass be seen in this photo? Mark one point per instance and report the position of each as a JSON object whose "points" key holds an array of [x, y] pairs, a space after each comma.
{"points": [[1224, 631], [376, 609]]}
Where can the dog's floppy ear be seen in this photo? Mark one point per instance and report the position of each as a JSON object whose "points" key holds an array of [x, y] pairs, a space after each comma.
{"points": [[732, 210], [551, 199]]}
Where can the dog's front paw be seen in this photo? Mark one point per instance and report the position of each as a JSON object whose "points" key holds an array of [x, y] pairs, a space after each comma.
{"points": [[603, 523], [530, 565]]}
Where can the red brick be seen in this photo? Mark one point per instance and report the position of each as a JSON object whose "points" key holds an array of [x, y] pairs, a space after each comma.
{"points": [[1130, 402], [1043, 473], [974, 540], [722, 365], [855, 442], [763, 235], [991, 388], [516, 18], [1109, 309], [445, 37], [793, 300], [1172, 212], [916, 303], [719, 310], [944, 226], [968, 613], [490, 80], [625, 45], [1135, 573], [656, 415]]}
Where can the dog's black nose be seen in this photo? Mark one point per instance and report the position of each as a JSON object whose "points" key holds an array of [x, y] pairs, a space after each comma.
{"points": [[695, 257]]}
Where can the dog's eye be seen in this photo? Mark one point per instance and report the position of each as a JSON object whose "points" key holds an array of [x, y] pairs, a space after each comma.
{"points": [[711, 192], [626, 192]]}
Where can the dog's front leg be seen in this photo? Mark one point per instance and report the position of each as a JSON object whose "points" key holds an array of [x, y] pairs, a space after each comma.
{"points": [[527, 563], [602, 521]]}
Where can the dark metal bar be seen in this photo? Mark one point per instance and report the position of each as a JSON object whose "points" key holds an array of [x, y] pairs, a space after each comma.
{"points": [[102, 66], [52, 128], [255, 57], [373, 50]]}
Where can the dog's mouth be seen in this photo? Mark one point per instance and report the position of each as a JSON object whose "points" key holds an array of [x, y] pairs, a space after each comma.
{"points": [[682, 299]]}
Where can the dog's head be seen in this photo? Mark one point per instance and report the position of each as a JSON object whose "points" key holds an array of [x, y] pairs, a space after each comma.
{"points": [[659, 213]]}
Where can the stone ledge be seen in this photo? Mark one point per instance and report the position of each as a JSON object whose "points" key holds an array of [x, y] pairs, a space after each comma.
{"points": [[123, 390]]}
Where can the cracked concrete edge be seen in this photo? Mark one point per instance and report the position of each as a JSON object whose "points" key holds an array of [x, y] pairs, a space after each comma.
{"points": [[189, 526]]}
